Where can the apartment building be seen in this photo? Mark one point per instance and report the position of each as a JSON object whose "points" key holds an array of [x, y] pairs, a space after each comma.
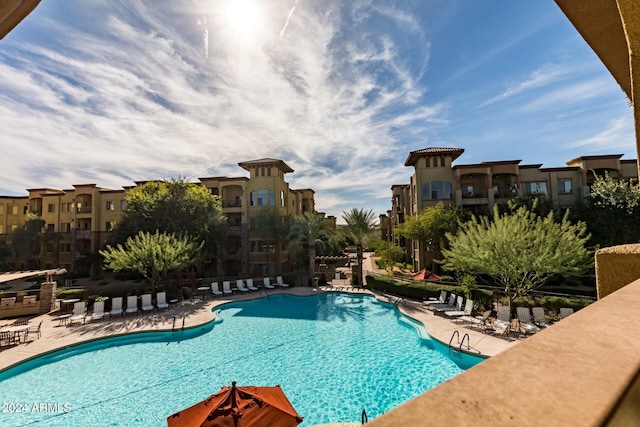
{"points": [[78, 220], [478, 187]]}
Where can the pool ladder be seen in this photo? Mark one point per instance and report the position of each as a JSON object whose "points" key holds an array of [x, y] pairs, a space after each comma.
{"points": [[399, 301], [173, 326], [458, 351]]}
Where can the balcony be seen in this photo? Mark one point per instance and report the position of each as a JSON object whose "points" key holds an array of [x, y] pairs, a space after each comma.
{"points": [[84, 210]]}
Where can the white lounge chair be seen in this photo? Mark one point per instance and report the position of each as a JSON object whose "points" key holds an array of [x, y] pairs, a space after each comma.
{"points": [[481, 321], [442, 299], [539, 318], [147, 305], [116, 307], [240, 286], [456, 307], [448, 305], [281, 283], [267, 283], [503, 318], [215, 289], [226, 287], [468, 308], [566, 312], [78, 312], [98, 311], [526, 322], [161, 300], [250, 285], [132, 305]]}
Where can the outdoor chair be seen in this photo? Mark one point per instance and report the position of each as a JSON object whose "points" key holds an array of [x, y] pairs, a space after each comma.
{"points": [[215, 289], [116, 307], [456, 307], [147, 304], [441, 300], [240, 286], [449, 305], [503, 318], [161, 300], [468, 308], [132, 305], [35, 330], [526, 322], [226, 287], [539, 318], [78, 312], [98, 311], [566, 312], [481, 321], [267, 283], [250, 285], [280, 282]]}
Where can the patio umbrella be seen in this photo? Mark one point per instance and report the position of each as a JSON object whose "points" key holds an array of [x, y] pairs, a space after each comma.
{"points": [[425, 275], [239, 407]]}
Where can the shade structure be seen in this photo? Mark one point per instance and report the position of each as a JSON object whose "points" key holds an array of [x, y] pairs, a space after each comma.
{"points": [[425, 275], [239, 407]]}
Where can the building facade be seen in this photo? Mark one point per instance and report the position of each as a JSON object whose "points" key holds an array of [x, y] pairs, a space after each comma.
{"points": [[478, 187], [78, 220]]}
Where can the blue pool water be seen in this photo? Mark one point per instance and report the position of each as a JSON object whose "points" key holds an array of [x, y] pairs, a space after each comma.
{"points": [[333, 354]]}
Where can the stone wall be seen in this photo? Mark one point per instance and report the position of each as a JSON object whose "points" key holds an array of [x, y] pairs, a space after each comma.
{"points": [[616, 266]]}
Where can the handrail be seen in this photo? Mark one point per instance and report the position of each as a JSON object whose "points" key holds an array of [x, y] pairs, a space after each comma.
{"points": [[364, 417], [399, 300], [183, 318], [468, 341], [173, 325], [453, 335]]}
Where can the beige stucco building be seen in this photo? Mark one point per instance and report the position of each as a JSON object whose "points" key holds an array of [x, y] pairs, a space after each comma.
{"points": [[78, 220], [478, 187]]}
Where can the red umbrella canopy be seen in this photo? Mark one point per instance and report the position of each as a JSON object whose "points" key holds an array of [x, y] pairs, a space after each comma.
{"points": [[239, 407], [425, 275]]}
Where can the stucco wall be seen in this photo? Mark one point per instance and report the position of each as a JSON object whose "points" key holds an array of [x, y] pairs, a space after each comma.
{"points": [[616, 266]]}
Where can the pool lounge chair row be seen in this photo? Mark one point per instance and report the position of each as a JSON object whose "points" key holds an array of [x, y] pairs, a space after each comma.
{"points": [[240, 286], [80, 310], [529, 321]]}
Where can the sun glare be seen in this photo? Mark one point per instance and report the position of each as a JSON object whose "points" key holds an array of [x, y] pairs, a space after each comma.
{"points": [[243, 17]]}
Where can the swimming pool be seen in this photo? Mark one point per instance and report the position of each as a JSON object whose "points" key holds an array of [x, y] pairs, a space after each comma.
{"points": [[334, 355]]}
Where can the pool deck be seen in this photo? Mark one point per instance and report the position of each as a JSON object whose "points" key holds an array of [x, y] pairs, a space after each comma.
{"points": [[55, 336]]}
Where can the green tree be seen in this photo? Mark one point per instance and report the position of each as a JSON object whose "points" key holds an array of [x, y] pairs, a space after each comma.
{"points": [[520, 251], [173, 207], [152, 255], [273, 229], [612, 212], [360, 227], [389, 254], [431, 226], [310, 232], [26, 240]]}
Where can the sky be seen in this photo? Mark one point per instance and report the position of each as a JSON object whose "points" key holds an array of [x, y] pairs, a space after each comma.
{"points": [[111, 92]]}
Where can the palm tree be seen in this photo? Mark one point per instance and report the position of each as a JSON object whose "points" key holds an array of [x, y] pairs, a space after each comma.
{"points": [[360, 227], [310, 230]]}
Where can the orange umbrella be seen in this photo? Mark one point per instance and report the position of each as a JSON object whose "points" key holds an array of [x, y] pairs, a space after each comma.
{"points": [[239, 407], [425, 275]]}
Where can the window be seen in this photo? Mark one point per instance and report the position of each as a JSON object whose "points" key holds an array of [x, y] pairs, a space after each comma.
{"points": [[564, 186], [1, 209], [51, 207], [441, 190], [442, 162], [262, 197], [14, 210], [51, 228], [282, 200], [272, 198], [529, 188], [425, 191], [65, 227], [65, 207], [123, 205], [467, 190], [110, 205], [268, 171], [65, 247], [108, 226]]}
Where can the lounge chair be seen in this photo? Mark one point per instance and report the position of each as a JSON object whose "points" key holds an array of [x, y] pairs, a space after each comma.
{"points": [[161, 300], [78, 312], [526, 322], [116, 307], [566, 312], [441, 300], [226, 287], [503, 318], [448, 305], [481, 321], [457, 306], [250, 285], [240, 286], [147, 304], [215, 289], [267, 283], [280, 283], [539, 318], [468, 308], [132, 305], [98, 311]]}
